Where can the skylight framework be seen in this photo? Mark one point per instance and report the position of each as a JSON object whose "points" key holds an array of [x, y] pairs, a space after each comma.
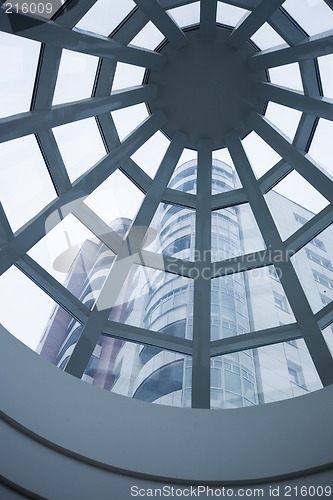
{"points": [[60, 33]]}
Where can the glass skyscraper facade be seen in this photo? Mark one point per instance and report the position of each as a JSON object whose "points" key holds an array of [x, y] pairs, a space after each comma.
{"points": [[162, 303]]}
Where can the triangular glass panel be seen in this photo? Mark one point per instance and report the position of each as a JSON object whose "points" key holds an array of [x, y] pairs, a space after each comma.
{"points": [[115, 198], [321, 146], [292, 201], [235, 232], [150, 155], [140, 371], [172, 232], [261, 156], [76, 77], [314, 267], [25, 185], [80, 145], [155, 300], [127, 119], [19, 60], [74, 257]]}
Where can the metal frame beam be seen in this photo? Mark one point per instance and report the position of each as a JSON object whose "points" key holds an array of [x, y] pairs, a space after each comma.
{"points": [[208, 10], [52, 33], [124, 260], [34, 230], [253, 22], [301, 163], [319, 106], [37, 121], [300, 306], [53, 288], [202, 283], [148, 337], [163, 22], [257, 339], [311, 47]]}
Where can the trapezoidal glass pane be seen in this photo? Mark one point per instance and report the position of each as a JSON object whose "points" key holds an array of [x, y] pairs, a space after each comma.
{"points": [[314, 267], [328, 336], [24, 307], [25, 185], [126, 120], [172, 232], [155, 300], [285, 119], [223, 166], [18, 59], [229, 14], [150, 155], [266, 37], [313, 16], [80, 145], [127, 75], [243, 302], [287, 76], [261, 156], [326, 74], [74, 257], [99, 20], [184, 177], [186, 15], [57, 341], [140, 371], [116, 198], [321, 146], [233, 380], [292, 200], [285, 370], [148, 38], [76, 76], [235, 232]]}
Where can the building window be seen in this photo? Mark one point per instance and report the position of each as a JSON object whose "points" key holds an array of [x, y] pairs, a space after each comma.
{"points": [[273, 274], [323, 280], [325, 300], [281, 301], [318, 259], [178, 245], [295, 374], [300, 219], [319, 244]]}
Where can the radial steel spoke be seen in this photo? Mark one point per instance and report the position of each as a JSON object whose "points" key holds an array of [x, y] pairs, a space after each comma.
{"points": [[253, 21]]}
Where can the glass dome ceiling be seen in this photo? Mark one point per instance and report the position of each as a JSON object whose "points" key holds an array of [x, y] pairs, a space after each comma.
{"points": [[101, 104]]}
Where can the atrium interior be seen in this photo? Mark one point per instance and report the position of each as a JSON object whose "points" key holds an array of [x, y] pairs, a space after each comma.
{"points": [[166, 190]]}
